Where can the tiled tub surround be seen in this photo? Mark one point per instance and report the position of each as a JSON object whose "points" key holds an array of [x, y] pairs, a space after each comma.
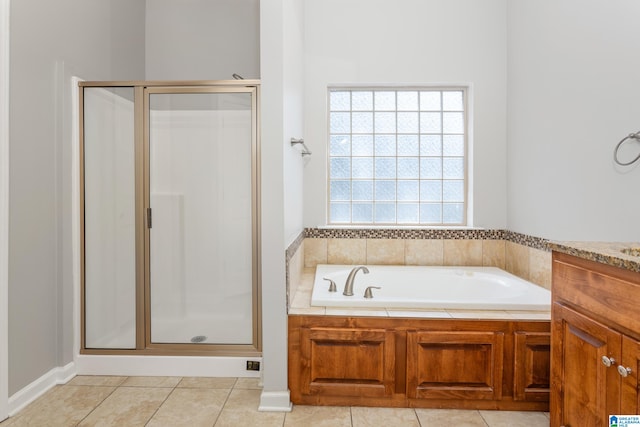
{"points": [[524, 256], [515, 343]]}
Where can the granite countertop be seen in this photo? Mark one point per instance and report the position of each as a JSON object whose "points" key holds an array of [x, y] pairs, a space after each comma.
{"points": [[609, 253]]}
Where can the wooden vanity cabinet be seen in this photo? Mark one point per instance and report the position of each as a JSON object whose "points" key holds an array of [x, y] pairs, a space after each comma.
{"points": [[587, 391], [629, 395], [595, 342]]}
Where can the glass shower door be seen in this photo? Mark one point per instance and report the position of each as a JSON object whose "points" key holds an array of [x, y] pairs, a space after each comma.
{"points": [[201, 283], [109, 218]]}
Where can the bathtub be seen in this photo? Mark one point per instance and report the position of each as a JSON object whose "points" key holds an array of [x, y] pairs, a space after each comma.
{"points": [[470, 288]]}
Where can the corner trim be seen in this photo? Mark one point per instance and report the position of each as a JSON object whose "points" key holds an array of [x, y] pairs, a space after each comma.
{"points": [[275, 401], [40, 386], [75, 209]]}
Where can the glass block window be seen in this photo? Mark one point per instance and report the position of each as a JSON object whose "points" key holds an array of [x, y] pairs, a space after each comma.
{"points": [[397, 156]]}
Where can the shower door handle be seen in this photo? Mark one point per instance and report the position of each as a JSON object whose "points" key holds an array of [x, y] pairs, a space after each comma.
{"points": [[148, 217]]}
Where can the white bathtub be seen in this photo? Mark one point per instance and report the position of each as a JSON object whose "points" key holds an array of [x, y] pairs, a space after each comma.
{"points": [[476, 288]]}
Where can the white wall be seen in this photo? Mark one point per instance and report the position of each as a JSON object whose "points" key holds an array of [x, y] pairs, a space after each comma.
{"points": [[50, 42], [4, 207], [293, 104], [281, 174], [410, 42], [574, 74], [202, 39]]}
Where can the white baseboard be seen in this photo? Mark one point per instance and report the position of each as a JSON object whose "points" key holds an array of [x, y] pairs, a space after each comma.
{"points": [[40, 386], [141, 366], [275, 401], [192, 366]]}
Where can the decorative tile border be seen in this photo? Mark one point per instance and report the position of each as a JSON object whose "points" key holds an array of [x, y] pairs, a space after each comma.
{"points": [[427, 233], [401, 233], [526, 240], [289, 253], [294, 246]]}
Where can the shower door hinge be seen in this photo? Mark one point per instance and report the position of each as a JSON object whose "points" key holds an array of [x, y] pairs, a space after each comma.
{"points": [[148, 217]]}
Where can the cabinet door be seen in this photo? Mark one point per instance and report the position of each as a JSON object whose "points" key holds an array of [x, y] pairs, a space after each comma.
{"points": [[584, 391], [629, 403], [347, 362], [454, 365], [532, 359]]}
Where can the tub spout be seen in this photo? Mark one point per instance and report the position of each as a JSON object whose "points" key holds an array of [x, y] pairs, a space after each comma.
{"points": [[348, 285]]}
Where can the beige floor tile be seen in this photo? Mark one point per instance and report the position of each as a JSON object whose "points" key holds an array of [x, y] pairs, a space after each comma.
{"points": [[318, 416], [383, 417], [207, 382], [241, 409], [248, 384], [450, 417], [190, 407], [151, 382], [62, 406], [127, 406], [98, 380], [515, 419]]}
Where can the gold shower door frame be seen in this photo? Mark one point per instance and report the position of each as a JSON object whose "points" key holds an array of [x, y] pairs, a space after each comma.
{"points": [[142, 92]]}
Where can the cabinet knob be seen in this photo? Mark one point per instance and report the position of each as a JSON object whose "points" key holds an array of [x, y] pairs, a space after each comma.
{"points": [[608, 361], [623, 371]]}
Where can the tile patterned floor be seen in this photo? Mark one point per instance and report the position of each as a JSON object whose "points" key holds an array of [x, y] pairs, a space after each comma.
{"points": [[233, 402]]}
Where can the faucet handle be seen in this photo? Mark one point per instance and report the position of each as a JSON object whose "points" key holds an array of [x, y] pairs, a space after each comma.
{"points": [[332, 284], [368, 293]]}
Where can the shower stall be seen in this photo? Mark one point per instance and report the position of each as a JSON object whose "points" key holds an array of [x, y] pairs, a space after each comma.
{"points": [[170, 202]]}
